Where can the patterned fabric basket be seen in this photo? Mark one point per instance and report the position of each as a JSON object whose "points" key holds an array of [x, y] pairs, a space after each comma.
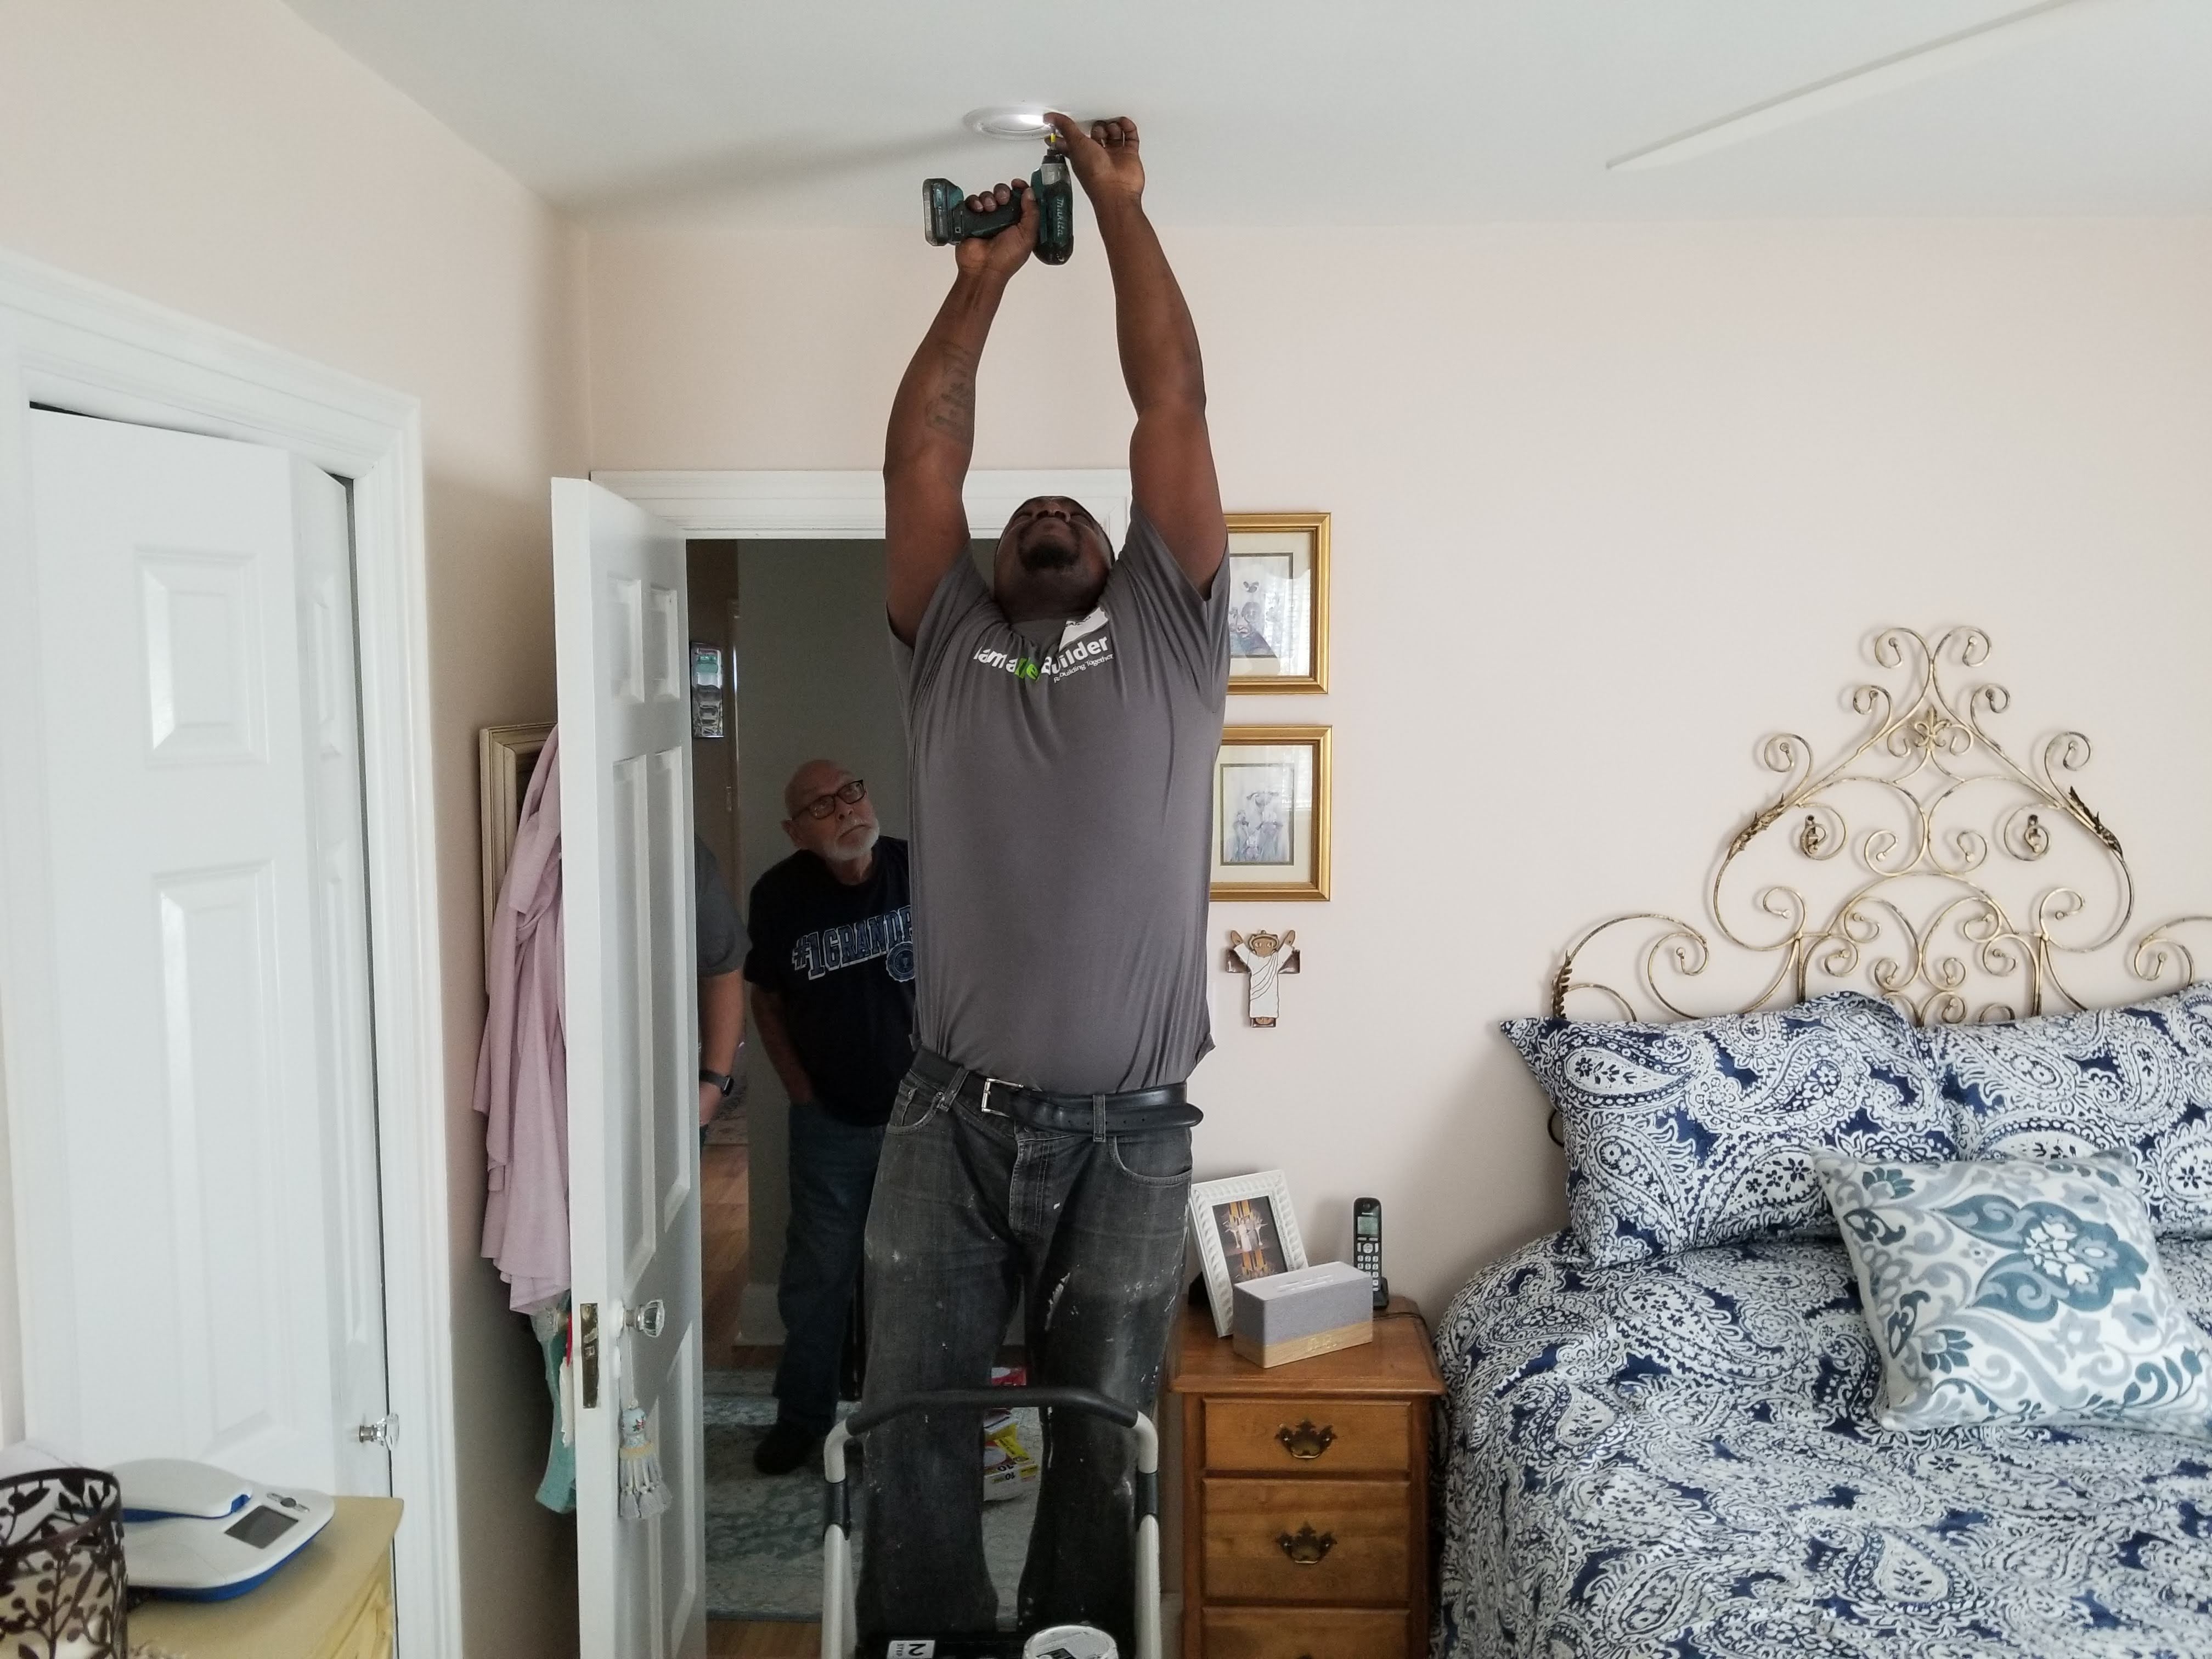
{"points": [[61, 1565]]}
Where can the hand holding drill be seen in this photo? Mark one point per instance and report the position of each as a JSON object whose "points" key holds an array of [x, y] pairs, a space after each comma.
{"points": [[1040, 215]]}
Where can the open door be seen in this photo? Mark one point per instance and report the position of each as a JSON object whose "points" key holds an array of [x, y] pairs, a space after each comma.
{"points": [[632, 1014]]}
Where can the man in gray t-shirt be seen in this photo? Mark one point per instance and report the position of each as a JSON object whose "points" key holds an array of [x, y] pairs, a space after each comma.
{"points": [[1063, 723]]}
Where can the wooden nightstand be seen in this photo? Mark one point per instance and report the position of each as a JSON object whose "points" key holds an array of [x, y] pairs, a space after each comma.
{"points": [[1305, 1496]]}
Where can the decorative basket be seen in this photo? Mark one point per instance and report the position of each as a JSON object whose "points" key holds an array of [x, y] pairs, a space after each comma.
{"points": [[62, 1585]]}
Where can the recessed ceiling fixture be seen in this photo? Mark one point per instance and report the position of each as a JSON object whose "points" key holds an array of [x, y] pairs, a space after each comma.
{"points": [[1951, 52], [1007, 121]]}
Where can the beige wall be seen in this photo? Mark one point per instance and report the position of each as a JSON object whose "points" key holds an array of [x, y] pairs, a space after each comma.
{"points": [[1610, 504], [225, 160]]}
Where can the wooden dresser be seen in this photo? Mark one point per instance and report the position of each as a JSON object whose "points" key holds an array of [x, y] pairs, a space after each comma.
{"points": [[334, 1601], [1305, 1496]]}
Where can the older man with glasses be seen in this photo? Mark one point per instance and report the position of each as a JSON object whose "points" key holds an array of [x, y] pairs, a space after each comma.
{"points": [[831, 970]]}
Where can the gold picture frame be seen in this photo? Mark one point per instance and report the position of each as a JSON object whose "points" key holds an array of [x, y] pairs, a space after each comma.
{"points": [[1278, 572], [1271, 813], [506, 756]]}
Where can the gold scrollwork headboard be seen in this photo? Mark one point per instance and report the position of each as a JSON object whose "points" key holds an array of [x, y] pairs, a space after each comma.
{"points": [[1926, 866]]}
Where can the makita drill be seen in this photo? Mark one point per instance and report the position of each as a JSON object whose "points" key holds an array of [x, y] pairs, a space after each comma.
{"points": [[946, 217]]}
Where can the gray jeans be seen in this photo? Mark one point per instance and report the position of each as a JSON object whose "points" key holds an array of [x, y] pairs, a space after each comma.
{"points": [[969, 1212]]}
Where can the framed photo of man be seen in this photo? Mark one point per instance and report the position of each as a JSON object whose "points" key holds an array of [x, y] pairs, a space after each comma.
{"points": [[1271, 813], [1245, 1229], [1278, 577]]}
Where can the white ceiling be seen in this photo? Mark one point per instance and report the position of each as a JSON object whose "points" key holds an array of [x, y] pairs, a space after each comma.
{"points": [[1315, 112]]}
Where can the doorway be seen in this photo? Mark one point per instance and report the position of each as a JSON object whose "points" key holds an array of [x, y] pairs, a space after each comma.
{"points": [[805, 512], [807, 674], [811, 679]]}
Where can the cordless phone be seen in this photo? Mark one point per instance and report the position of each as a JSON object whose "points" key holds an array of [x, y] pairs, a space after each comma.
{"points": [[1367, 1246]]}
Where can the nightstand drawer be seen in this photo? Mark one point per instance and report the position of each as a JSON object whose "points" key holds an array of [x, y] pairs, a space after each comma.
{"points": [[1342, 1541], [1297, 1437], [1305, 1633]]}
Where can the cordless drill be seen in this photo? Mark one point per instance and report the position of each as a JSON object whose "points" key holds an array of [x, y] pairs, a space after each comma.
{"points": [[946, 217]]}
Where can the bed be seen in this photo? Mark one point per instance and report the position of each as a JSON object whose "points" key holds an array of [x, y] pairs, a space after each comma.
{"points": [[1672, 1457], [1661, 1421]]}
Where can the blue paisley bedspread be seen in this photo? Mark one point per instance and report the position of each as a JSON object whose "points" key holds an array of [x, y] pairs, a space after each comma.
{"points": [[1675, 1458]]}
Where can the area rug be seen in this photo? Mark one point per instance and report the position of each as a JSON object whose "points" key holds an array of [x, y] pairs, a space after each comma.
{"points": [[764, 1532]]}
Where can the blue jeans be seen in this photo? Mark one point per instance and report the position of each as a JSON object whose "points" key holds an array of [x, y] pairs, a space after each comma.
{"points": [[970, 1212], [833, 1170]]}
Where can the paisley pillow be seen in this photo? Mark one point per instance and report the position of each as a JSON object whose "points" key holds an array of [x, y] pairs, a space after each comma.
{"points": [[2137, 1080], [1698, 1132], [2019, 1290]]}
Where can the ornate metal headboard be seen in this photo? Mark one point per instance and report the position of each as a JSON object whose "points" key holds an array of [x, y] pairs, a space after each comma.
{"points": [[1960, 886]]}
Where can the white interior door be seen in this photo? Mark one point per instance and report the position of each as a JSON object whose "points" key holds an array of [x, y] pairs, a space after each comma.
{"points": [[196, 1184], [632, 1018]]}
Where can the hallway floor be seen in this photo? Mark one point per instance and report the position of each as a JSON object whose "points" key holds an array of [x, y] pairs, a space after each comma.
{"points": [[725, 1170], [724, 1244]]}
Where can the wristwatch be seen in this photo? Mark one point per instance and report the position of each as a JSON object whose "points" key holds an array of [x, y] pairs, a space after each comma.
{"points": [[722, 1080]]}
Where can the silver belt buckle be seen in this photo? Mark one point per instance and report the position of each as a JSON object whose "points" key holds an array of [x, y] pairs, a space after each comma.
{"points": [[984, 1104]]}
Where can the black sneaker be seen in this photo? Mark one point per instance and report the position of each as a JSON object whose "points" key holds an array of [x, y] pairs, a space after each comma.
{"points": [[784, 1448]]}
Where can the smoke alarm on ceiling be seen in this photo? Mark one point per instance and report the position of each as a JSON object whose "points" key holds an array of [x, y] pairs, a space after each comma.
{"points": [[1007, 121]]}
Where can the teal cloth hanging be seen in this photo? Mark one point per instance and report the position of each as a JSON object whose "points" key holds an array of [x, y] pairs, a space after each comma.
{"points": [[557, 1490]]}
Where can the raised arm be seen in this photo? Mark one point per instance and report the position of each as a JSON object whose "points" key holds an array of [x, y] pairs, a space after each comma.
{"points": [[933, 428], [1171, 452]]}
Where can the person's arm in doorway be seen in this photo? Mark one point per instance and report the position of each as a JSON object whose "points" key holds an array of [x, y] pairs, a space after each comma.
{"points": [[932, 426], [1171, 452], [721, 1029], [775, 1037]]}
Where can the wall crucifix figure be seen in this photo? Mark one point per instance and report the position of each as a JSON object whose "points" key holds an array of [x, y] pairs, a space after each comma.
{"points": [[1262, 957]]}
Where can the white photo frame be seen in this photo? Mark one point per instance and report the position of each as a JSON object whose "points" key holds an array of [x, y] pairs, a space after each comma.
{"points": [[1257, 1207]]}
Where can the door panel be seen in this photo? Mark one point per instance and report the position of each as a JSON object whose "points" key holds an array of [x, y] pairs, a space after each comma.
{"points": [[199, 1216], [632, 1018]]}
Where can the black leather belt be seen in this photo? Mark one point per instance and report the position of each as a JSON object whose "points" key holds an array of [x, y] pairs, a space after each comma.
{"points": [[1132, 1112]]}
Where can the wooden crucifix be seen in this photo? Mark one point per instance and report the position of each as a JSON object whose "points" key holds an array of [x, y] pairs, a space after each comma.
{"points": [[1262, 957]]}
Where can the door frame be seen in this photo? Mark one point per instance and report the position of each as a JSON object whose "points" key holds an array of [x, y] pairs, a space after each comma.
{"points": [[842, 506], [848, 505], [83, 347]]}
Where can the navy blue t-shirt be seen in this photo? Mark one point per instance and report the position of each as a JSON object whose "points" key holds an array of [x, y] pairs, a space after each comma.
{"points": [[843, 960]]}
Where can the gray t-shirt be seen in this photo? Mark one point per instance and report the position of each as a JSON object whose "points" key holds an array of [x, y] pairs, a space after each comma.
{"points": [[722, 941], [1061, 801]]}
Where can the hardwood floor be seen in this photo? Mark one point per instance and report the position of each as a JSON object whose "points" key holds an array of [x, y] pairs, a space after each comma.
{"points": [[725, 1194], [761, 1638]]}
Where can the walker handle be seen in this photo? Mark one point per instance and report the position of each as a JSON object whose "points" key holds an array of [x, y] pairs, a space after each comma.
{"points": [[1088, 1402]]}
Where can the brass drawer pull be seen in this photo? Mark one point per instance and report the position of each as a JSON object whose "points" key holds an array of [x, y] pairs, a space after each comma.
{"points": [[1306, 1443], [1305, 1548]]}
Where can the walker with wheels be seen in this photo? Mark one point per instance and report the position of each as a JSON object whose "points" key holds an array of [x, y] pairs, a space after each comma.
{"points": [[841, 1632]]}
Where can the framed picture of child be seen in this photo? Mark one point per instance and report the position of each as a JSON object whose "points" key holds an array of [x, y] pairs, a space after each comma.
{"points": [[1245, 1229], [1278, 577]]}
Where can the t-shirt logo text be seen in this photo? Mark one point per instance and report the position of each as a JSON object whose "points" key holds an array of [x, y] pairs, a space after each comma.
{"points": [[889, 936], [1073, 659]]}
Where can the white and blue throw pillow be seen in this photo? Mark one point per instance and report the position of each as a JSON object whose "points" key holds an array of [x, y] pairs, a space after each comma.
{"points": [[2136, 1080], [2019, 1290], [1701, 1131]]}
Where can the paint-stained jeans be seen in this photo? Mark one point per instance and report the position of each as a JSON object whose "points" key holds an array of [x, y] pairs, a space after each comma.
{"points": [[969, 1212]]}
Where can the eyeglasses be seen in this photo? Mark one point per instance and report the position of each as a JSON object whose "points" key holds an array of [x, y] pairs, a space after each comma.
{"points": [[852, 793]]}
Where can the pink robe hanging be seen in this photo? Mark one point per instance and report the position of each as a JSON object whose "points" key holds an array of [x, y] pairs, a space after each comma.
{"points": [[522, 1071]]}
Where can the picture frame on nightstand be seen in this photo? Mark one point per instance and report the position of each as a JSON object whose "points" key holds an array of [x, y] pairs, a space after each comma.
{"points": [[1244, 1228]]}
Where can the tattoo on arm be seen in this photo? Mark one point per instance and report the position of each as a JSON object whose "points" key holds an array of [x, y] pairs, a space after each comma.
{"points": [[952, 405]]}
